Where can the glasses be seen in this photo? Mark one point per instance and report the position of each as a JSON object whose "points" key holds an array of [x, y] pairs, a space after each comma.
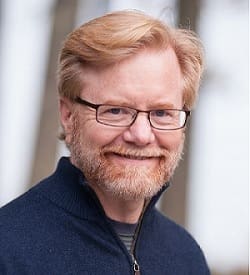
{"points": [[120, 116]]}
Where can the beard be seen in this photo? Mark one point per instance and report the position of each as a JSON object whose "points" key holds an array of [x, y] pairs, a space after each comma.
{"points": [[126, 182]]}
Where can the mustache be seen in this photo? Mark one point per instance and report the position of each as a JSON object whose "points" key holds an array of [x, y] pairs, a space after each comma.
{"points": [[135, 152]]}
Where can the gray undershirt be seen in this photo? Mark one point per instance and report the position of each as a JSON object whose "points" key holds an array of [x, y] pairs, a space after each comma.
{"points": [[125, 231]]}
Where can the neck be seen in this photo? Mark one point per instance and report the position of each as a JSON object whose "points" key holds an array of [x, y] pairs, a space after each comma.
{"points": [[126, 211]]}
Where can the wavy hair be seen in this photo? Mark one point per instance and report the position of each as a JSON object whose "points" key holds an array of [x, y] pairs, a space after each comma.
{"points": [[115, 36]]}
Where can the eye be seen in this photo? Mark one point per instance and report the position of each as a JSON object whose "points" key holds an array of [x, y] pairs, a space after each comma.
{"points": [[161, 113], [114, 111]]}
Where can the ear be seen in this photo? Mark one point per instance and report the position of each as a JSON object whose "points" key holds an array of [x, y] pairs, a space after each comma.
{"points": [[66, 117]]}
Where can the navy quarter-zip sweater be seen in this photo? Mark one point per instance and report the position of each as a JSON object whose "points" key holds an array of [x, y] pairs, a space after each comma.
{"points": [[59, 227]]}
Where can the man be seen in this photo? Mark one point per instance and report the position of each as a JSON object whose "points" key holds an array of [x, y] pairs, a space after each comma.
{"points": [[126, 84]]}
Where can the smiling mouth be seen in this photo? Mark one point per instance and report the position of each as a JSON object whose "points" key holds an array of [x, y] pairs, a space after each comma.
{"points": [[133, 156]]}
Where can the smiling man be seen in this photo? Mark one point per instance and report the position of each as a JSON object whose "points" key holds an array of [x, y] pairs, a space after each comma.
{"points": [[126, 83]]}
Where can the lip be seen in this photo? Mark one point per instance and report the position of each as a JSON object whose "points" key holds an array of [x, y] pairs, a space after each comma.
{"points": [[132, 159]]}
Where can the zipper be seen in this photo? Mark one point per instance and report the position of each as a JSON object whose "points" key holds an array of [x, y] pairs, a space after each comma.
{"points": [[136, 266]]}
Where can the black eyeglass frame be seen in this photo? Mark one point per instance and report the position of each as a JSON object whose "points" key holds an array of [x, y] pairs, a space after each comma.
{"points": [[96, 106]]}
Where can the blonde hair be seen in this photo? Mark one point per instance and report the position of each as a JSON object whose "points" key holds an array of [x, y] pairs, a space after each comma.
{"points": [[115, 36]]}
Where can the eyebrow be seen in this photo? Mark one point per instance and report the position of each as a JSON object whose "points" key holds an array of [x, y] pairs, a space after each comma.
{"points": [[117, 103], [163, 105], [151, 106]]}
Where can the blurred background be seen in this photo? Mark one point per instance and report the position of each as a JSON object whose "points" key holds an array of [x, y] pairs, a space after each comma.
{"points": [[209, 195]]}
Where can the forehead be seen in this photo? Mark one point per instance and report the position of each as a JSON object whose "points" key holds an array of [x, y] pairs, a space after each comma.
{"points": [[145, 79]]}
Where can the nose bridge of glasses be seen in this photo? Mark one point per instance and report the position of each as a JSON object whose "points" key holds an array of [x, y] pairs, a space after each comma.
{"points": [[142, 113]]}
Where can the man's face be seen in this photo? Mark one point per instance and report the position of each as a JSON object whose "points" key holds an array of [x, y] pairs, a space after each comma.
{"points": [[127, 162]]}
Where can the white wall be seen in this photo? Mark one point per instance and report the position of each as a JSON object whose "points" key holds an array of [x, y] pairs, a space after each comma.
{"points": [[164, 9], [218, 200], [24, 45]]}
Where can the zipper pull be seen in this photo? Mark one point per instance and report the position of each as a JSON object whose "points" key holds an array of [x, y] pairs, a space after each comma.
{"points": [[136, 268]]}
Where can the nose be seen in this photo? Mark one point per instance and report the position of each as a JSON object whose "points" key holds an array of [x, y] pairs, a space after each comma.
{"points": [[140, 132]]}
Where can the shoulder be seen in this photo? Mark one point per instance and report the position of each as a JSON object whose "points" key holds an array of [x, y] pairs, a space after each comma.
{"points": [[23, 216], [19, 212], [24, 205], [176, 236], [174, 243], [25, 226], [17, 209]]}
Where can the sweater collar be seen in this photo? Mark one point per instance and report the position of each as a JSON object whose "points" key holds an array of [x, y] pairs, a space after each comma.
{"points": [[67, 188]]}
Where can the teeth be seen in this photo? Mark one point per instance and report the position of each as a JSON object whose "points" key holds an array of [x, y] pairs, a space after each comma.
{"points": [[134, 157]]}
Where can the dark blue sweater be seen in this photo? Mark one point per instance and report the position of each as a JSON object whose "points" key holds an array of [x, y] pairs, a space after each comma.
{"points": [[59, 227]]}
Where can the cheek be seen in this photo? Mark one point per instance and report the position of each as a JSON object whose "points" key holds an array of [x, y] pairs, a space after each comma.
{"points": [[98, 134], [172, 140]]}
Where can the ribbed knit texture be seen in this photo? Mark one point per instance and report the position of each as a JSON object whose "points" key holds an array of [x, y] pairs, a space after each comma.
{"points": [[59, 227]]}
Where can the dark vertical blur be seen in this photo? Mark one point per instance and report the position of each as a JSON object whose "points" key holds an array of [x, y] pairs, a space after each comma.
{"points": [[174, 201], [63, 21], [188, 14]]}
